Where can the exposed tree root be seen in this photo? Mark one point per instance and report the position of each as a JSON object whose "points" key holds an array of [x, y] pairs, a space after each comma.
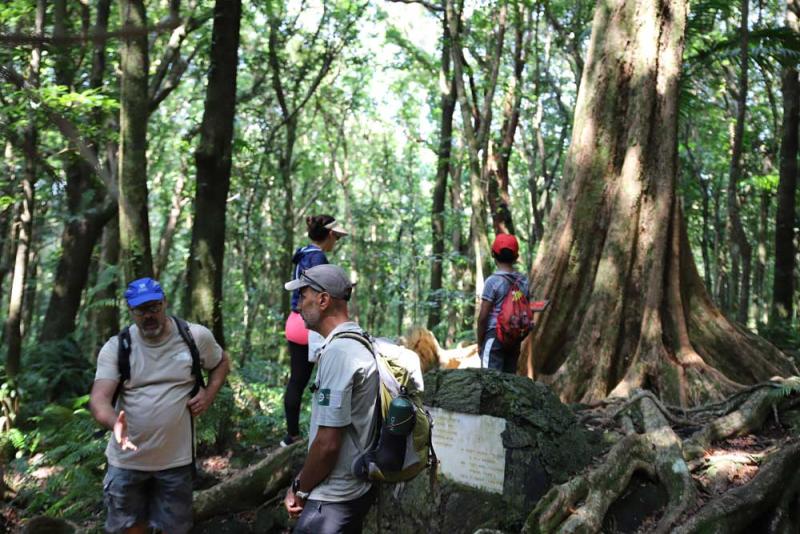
{"points": [[560, 510], [749, 417], [581, 504], [252, 486], [652, 446], [735, 510]]}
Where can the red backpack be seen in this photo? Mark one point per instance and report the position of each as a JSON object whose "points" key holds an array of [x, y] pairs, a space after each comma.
{"points": [[515, 319]]}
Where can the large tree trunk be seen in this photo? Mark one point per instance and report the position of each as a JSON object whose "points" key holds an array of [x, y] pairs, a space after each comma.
{"points": [[213, 158], [134, 227], [85, 223], [629, 308], [447, 101], [741, 250], [783, 282], [13, 326]]}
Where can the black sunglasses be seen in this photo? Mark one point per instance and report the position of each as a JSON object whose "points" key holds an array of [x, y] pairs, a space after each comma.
{"points": [[313, 284]]}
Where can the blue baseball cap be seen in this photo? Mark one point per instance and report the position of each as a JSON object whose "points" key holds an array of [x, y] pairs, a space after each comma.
{"points": [[143, 290]]}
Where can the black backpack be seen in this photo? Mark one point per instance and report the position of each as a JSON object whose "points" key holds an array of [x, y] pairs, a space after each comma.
{"points": [[124, 364]]}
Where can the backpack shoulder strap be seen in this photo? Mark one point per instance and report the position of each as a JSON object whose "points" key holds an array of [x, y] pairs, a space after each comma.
{"points": [[188, 338], [366, 340], [123, 361]]}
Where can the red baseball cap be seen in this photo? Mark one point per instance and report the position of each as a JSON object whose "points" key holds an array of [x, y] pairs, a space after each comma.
{"points": [[505, 241]]}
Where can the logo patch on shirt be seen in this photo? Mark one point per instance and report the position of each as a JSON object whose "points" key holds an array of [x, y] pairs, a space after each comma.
{"points": [[326, 397], [182, 357]]}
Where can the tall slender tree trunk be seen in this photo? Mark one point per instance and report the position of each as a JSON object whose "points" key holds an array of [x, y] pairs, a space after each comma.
{"points": [[460, 273], [134, 227], [84, 225], [783, 282], [8, 234], [13, 326], [105, 317], [447, 103], [629, 309], [170, 227], [285, 172], [476, 124], [213, 158], [760, 307], [741, 250], [500, 160]]}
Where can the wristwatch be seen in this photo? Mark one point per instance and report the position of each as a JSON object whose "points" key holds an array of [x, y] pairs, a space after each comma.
{"points": [[296, 489]]}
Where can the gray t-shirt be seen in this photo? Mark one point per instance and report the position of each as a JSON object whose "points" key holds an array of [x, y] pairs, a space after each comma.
{"points": [[154, 399], [495, 289], [345, 391]]}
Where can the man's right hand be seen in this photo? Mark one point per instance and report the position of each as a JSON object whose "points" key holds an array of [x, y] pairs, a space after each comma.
{"points": [[121, 433]]}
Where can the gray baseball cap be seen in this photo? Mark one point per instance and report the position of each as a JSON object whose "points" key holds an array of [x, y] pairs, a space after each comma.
{"points": [[326, 278]]}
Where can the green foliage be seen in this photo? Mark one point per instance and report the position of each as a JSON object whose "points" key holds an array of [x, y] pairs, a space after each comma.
{"points": [[790, 386], [61, 461], [56, 371], [783, 334]]}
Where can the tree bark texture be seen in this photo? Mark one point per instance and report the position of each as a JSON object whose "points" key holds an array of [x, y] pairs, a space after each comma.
{"points": [[284, 158], [628, 307], [106, 316], [741, 250], [13, 326], [170, 227], [88, 204], [476, 121], [213, 158], [783, 282], [8, 226], [447, 101], [499, 159], [134, 227]]}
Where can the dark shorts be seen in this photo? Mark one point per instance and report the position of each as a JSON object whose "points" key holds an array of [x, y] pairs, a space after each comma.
{"points": [[496, 356], [322, 517], [160, 499]]}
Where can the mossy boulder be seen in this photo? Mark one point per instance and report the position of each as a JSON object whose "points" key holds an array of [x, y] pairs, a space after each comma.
{"points": [[543, 444]]}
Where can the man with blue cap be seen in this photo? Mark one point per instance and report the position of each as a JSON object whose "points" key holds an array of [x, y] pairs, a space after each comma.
{"points": [[147, 390]]}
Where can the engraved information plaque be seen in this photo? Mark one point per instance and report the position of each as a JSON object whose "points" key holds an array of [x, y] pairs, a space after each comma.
{"points": [[470, 449]]}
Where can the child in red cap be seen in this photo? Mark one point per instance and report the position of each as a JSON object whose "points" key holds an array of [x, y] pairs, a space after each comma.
{"points": [[495, 355]]}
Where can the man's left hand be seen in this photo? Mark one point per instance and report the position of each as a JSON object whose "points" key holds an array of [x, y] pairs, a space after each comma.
{"points": [[293, 504], [200, 402]]}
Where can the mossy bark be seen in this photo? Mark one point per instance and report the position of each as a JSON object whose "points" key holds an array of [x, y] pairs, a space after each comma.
{"points": [[134, 227], [628, 308], [214, 159]]}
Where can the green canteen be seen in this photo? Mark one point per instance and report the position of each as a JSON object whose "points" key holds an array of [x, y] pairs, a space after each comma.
{"points": [[401, 417]]}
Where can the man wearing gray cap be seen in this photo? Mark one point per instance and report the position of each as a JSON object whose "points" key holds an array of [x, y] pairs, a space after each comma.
{"points": [[325, 495]]}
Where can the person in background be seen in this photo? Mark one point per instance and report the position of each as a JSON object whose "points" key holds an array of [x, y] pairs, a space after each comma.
{"points": [[323, 232], [494, 355]]}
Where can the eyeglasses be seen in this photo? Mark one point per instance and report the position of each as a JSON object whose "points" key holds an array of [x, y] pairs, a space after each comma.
{"points": [[151, 309]]}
